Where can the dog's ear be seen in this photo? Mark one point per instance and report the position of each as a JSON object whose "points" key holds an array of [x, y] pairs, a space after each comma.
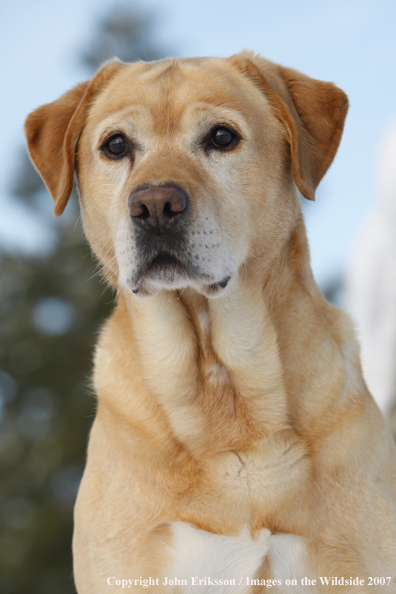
{"points": [[53, 130], [312, 111]]}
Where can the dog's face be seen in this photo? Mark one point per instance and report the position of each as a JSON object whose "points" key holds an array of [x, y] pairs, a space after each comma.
{"points": [[185, 167], [180, 167]]}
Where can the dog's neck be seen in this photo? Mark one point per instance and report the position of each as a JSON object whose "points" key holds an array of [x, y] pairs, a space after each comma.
{"points": [[226, 371]]}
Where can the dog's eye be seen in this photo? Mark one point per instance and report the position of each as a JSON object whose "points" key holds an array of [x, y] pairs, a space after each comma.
{"points": [[116, 146], [222, 138]]}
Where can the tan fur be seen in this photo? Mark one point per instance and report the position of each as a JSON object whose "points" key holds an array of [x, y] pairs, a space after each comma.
{"points": [[232, 410]]}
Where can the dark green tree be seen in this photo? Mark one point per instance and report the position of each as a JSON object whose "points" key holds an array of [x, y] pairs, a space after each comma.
{"points": [[50, 309]]}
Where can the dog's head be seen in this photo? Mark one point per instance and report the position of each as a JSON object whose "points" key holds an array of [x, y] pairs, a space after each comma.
{"points": [[187, 168]]}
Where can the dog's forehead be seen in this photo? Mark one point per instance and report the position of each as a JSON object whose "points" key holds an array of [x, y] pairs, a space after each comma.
{"points": [[169, 87]]}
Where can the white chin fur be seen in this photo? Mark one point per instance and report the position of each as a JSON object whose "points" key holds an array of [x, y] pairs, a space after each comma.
{"points": [[150, 287]]}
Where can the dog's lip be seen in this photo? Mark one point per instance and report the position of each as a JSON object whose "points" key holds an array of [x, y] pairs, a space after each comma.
{"points": [[200, 282], [165, 259], [224, 282], [161, 261]]}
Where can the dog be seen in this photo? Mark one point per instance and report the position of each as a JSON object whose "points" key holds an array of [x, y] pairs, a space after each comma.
{"points": [[235, 444]]}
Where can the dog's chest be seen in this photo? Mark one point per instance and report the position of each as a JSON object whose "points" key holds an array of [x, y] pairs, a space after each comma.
{"points": [[261, 475], [237, 487]]}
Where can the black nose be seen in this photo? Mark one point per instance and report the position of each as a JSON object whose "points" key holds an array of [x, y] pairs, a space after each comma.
{"points": [[157, 206]]}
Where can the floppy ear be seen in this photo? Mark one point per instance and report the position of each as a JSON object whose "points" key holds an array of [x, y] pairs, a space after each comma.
{"points": [[53, 130], [313, 113]]}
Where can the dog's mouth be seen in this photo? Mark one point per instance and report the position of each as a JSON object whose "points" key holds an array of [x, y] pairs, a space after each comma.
{"points": [[164, 261], [164, 268], [170, 271]]}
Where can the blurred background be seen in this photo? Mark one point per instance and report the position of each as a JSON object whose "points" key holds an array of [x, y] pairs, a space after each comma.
{"points": [[52, 300]]}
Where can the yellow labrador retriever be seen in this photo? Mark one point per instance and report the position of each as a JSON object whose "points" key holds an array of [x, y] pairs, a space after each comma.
{"points": [[235, 444]]}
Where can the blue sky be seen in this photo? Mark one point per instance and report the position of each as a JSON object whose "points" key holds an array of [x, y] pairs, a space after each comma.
{"points": [[349, 42]]}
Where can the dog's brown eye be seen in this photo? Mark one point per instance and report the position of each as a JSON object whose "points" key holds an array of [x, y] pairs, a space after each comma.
{"points": [[223, 138], [116, 146]]}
